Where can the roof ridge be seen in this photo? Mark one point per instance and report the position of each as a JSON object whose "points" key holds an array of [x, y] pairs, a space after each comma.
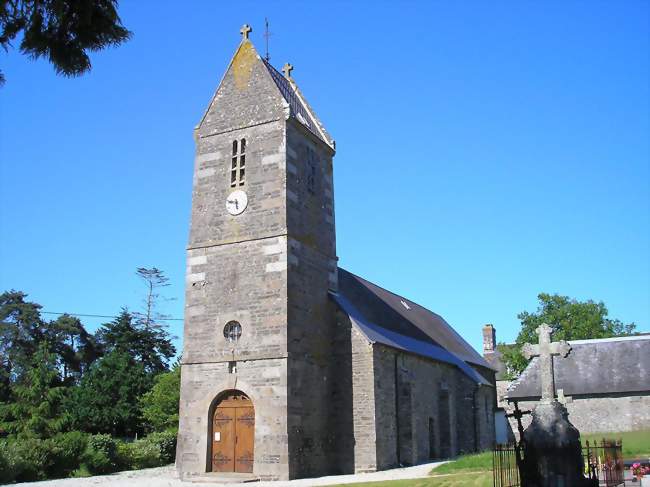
{"points": [[469, 351], [610, 339], [298, 105]]}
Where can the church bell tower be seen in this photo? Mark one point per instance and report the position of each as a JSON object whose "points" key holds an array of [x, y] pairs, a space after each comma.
{"points": [[261, 260]]}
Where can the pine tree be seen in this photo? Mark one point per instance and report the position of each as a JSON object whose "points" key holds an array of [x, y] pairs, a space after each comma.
{"points": [[63, 31], [37, 409], [150, 347], [106, 400]]}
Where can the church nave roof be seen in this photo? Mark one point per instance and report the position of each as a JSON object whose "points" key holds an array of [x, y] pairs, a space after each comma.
{"points": [[388, 318]]}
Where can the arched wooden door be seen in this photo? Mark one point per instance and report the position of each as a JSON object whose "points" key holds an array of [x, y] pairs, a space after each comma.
{"points": [[233, 433]]}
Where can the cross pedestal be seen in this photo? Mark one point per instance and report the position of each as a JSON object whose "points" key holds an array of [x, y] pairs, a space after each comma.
{"points": [[551, 444]]}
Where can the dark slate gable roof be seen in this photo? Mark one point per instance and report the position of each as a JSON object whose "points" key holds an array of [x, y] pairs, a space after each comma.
{"points": [[604, 366], [383, 318], [300, 110]]}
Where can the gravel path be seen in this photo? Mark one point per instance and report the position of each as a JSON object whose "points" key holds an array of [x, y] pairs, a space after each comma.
{"points": [[167, 477]]}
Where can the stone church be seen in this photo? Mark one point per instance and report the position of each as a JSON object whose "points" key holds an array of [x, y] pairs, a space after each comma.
{"points": [[293, 367]]}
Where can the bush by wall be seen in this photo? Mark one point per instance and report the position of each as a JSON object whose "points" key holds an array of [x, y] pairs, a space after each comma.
{"points": [[155, 450], [100, 455], [79, 454], [30, 459]]}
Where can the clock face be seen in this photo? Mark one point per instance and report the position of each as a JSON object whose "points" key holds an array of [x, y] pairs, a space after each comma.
{"points": [[236, 202]]}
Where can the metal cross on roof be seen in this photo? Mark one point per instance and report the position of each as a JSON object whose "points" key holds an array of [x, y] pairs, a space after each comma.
{"points": [[286, 69], [545, 350], [245, 30]]}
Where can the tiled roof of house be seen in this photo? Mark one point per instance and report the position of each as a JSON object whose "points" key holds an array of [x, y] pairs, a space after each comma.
{"points": [[604, 366]]}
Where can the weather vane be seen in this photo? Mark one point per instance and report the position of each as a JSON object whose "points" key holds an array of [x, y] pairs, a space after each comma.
{"points": [[267, 34]]}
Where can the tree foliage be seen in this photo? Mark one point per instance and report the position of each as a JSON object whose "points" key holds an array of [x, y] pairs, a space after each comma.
{"points": [[154, 280], [63, 31], [570, 320], [21, 332], [56, 375], [160, 404], [37, 409], [106, 400], [150, 347]]}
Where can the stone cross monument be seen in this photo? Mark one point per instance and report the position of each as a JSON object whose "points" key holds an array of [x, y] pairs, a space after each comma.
{"points": [[546, 350], [551, 444]]}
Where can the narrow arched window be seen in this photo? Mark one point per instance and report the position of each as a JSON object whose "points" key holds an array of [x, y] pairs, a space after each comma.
{"points": [[238, 163]]}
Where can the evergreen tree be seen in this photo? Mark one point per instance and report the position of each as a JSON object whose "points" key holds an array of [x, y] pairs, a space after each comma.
{"points": [[77, 349], [63, 31], [21, 332], [154, 279], [37, 406], [150, 347], [106, 400]]}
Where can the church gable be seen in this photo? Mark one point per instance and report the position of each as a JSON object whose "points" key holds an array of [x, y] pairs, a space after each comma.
{"points": [[246, 96]]}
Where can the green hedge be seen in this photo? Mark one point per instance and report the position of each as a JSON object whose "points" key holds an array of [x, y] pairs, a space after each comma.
{"points": [[80, 454], [34, 459]]}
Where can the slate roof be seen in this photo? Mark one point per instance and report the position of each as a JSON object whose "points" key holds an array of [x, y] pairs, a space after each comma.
{"points": [[299, 107], [395, 321], [605, 366]]}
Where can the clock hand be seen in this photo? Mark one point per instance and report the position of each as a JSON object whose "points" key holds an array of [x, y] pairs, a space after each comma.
{"points": [[234, 202]]}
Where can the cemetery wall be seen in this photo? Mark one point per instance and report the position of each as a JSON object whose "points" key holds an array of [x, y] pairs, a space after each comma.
{"points": [[600, 414]]}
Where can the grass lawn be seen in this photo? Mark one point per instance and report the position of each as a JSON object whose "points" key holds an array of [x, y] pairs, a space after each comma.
{"points": [[476, 479], [635, 443], [466, 471], [476, 470], [466, 463]]}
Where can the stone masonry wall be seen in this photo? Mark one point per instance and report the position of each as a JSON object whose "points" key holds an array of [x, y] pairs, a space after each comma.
{"points": [[264, 381], [470, 426], [311, 313], [352, 412], [600, 414], [237, 270]]}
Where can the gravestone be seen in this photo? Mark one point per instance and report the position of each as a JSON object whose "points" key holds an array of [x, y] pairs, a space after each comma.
{"points": [[551, 444]]}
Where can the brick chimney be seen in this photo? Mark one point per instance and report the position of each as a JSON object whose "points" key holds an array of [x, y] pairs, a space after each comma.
{"points": [[489, 339]]}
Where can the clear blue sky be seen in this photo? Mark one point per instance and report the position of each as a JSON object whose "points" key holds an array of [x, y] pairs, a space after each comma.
{"points": [[487, 151]]}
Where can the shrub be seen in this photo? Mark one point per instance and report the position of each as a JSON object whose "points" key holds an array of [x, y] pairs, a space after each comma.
{"points": [[139, 454], [100, 455], [11, 465], [79, 454], [27, 460], [155, 450], [66, 451], [166, 443]]}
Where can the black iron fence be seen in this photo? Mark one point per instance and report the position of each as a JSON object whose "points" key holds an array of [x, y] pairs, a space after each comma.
{"points": [[603, 461], [505, 469]]}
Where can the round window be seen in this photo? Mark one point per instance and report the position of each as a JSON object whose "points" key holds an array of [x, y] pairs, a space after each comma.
{"points": [[232, 331]]}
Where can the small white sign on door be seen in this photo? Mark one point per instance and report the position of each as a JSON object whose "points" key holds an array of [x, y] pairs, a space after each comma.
{"points": [[217, 436]]}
